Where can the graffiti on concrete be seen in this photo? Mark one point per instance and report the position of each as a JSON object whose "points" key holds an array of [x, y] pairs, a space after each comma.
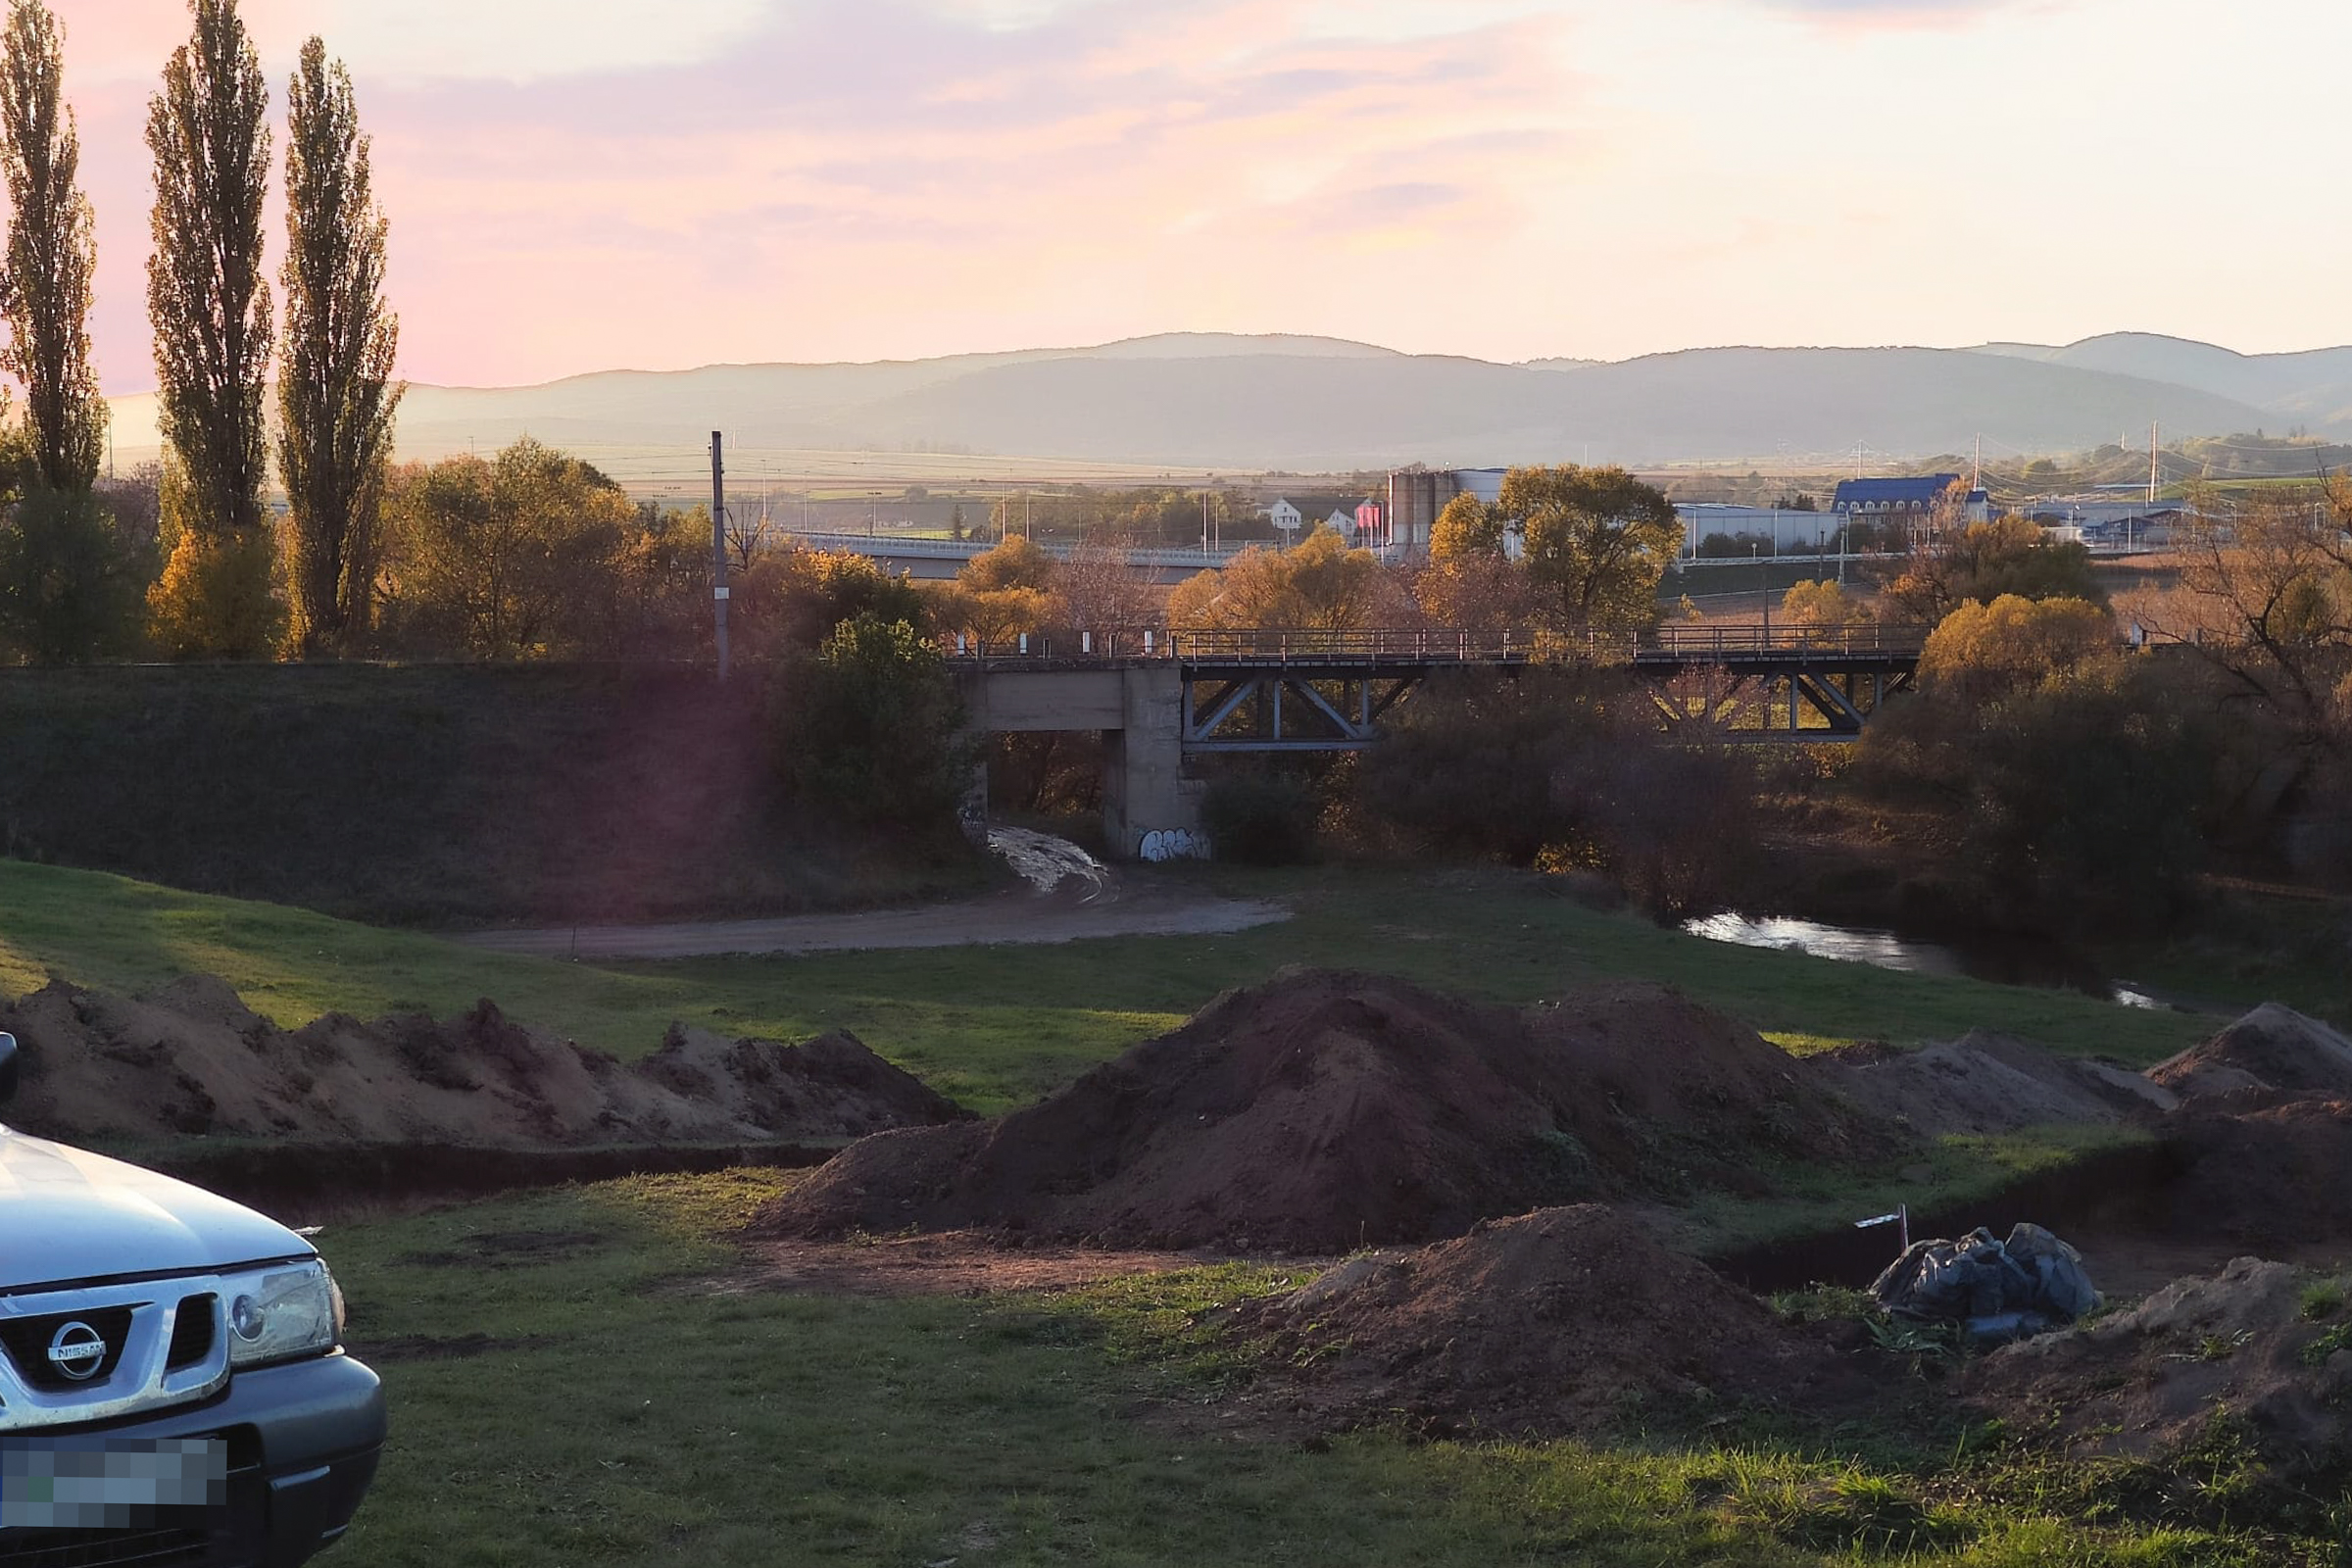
{"points": [[1175, 844]]}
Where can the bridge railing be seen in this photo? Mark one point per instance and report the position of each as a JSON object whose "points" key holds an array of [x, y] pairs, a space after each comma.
{"points": [[1697, 642], [1428, 644], [916, 547], [1272, 645]]}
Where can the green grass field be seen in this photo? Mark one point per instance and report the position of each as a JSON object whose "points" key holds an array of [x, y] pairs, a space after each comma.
{"points": [[634, 1407], [997, 1027], [635, 1403]]}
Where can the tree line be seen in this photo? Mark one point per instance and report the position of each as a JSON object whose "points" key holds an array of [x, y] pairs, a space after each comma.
{"points": [[80, 576]]}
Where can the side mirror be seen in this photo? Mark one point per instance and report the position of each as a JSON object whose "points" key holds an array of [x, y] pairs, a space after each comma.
{"points": [[8, 1068]]}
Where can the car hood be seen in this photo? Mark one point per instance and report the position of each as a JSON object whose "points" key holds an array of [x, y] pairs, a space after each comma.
{"points": [[69, 1216]]}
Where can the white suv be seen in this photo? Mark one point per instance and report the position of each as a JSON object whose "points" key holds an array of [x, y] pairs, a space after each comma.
{"points": [[173, 1386]]}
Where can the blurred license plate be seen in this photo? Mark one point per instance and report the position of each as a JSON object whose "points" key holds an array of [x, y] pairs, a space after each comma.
{"points": [[107, 1484]]}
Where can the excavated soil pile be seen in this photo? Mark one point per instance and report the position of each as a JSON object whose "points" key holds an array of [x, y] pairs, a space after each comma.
{"points": [[193, 1059], [2270, 1048], [2255, 1351], [1985, 1083], [1325, 1112], [2262, 1168], [1565, 1320], [2263, 1134]]}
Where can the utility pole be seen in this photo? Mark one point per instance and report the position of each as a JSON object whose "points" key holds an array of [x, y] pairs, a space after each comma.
{"points": [[2155, 460], [718, 549]]}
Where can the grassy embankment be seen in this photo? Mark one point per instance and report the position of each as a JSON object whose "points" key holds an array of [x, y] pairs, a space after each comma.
{"points": [[996, 1028], [999, 1026], [641, 1401], [430, 796]]}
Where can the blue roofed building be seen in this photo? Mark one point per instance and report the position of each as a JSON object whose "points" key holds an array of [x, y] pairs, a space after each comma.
{"points": [[1896, 500]]}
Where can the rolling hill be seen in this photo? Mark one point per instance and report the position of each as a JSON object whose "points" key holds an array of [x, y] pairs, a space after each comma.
{"points": [[1189, 402], [2311, 388]]}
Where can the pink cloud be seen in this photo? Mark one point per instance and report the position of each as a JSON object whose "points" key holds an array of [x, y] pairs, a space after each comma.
{"points": [[869, 177]]}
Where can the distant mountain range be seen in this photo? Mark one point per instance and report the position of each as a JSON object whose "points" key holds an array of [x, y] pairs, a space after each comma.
{"points": [[1194, 400]]}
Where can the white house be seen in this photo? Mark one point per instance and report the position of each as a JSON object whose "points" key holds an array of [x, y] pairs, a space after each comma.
{"points": [[1342, 522], [1285, 517]]}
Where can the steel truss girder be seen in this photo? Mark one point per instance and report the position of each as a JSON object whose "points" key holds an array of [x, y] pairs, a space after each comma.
{"points": [[1287, 711], [1828, 701], [1846, 699]]}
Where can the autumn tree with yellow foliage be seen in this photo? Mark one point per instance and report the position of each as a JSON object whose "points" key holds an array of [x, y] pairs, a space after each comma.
{"points": [[1983, 653], [1319, 584], [1000, 596]]}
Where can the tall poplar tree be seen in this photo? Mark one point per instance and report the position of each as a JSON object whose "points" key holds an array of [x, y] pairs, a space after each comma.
{"points": [[335, 393], [210, 306], [51, 254]]}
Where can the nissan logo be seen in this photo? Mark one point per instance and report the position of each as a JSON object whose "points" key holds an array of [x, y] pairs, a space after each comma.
{"points": [[78, 1352]]}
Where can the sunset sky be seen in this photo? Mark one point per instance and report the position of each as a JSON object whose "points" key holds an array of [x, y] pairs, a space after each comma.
{"points": [[583, 184]]}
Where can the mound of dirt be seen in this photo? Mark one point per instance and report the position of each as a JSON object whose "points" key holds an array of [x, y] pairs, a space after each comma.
{"points": [[2246, 1352], [1325, 1112], [2271, 1048], [2262, 1169], [193, 1060], [1564, 1320], [832, 1082], [1986, 1082]]}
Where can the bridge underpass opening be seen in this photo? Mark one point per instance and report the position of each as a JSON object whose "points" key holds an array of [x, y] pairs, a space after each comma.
{"points": [[1045, 776]]}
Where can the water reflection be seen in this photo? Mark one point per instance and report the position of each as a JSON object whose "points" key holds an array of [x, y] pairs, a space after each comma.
{"points": [[2007, 961], [1882, 950]]}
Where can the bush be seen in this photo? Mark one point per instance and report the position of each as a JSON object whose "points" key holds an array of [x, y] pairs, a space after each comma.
{"points": [[869, 729], [1986, 562], [2085, 799], [2081, 798], [791, 601], [1566, 769], [1823, 605], [1983, 651], [216, 599], [1262, 819], [1469, 765], [70, 586]]}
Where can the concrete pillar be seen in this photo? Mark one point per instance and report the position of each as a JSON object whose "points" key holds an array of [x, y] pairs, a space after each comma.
{"points": [[1147, 800]]}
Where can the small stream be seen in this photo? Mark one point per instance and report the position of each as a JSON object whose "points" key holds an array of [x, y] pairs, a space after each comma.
{"points": [[2004, 959]]}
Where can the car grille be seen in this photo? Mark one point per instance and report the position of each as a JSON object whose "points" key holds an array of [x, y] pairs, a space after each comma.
{"points": [[26, 1342], [191, 1333]]}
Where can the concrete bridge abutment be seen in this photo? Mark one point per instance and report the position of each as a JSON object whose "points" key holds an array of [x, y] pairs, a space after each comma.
{"points": [[1149, 808]]}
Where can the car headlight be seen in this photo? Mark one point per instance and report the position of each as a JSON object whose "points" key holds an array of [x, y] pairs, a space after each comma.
{"points": [[282, 1315]]}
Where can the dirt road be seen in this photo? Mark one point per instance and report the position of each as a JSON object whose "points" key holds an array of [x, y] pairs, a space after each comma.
{"points": [[1019, 918]]}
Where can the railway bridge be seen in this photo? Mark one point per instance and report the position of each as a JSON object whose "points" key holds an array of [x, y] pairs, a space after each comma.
{"points": [[1158, 697]]}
